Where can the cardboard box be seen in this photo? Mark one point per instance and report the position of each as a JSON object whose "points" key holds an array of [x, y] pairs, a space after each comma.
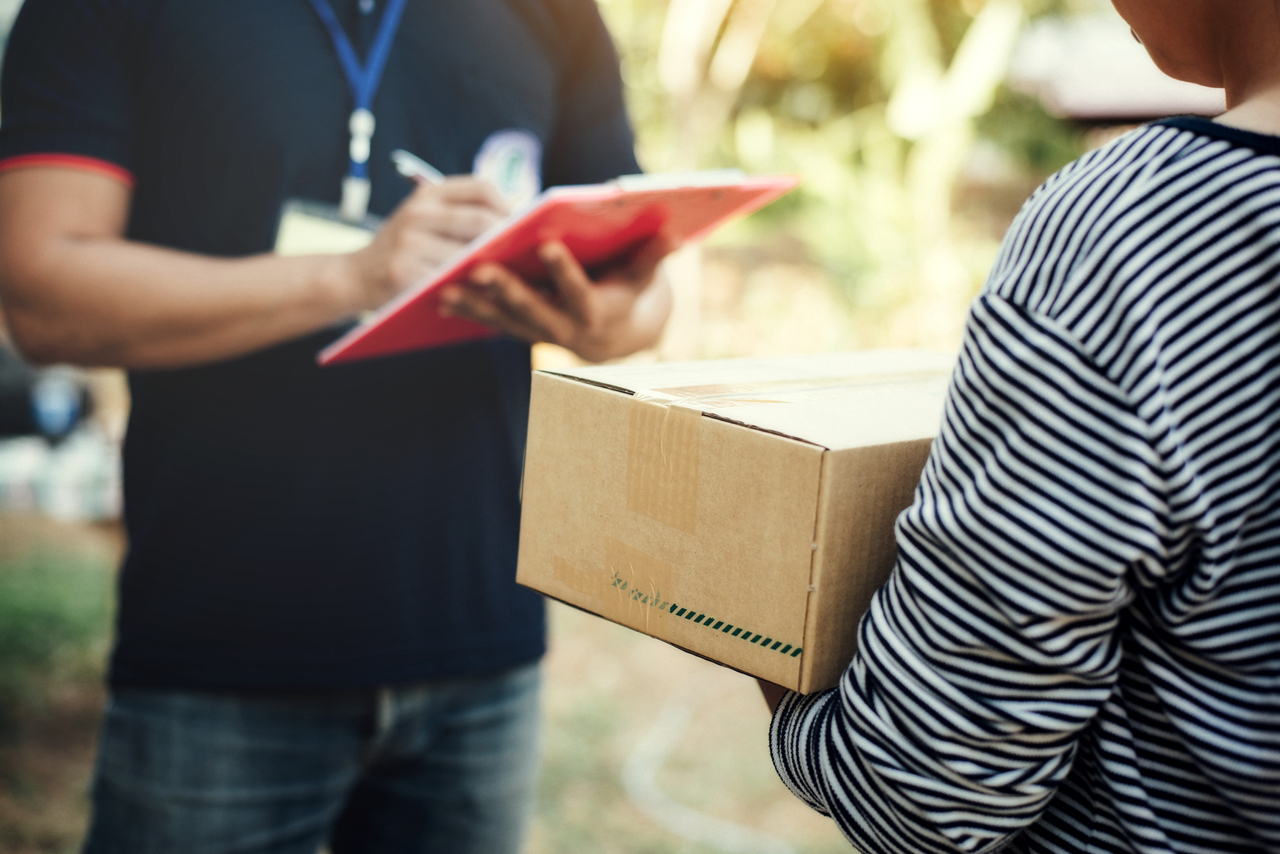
{"points": [[742, 510]]}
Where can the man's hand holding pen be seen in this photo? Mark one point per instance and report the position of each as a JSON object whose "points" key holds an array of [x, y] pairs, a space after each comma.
{"points": [[618, 313]]}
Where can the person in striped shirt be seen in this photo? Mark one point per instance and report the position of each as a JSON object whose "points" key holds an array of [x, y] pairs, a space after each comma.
{"points": [[1079, 647]]}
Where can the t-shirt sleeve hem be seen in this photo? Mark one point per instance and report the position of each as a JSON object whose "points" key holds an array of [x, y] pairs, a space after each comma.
{"points": [[68, 161]]}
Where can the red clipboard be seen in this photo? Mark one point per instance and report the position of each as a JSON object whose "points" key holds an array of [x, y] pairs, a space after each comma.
{"points": [[599, 223]]}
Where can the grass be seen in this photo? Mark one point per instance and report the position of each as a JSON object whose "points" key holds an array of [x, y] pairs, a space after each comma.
{"points": [[54, 621], [55, 585]]}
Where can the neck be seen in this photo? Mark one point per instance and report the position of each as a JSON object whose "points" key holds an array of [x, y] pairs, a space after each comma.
{"points": [[1260, 113], [1251, 74]]}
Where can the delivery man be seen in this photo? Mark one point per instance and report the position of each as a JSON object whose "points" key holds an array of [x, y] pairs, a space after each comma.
{"points": [[319, 637]]}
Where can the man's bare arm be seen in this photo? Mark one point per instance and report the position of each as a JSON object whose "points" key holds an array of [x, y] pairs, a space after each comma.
{"points": [[75, 290]]}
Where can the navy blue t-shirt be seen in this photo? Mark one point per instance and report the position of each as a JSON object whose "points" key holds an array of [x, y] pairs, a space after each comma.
{"points": [[292, 526]]}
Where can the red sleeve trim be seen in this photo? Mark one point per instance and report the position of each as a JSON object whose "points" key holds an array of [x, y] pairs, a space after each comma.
{"points": [[69, 161]]}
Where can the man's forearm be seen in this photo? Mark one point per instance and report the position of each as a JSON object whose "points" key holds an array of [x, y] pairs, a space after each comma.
{"points": [[75, 290], [108, 301]]}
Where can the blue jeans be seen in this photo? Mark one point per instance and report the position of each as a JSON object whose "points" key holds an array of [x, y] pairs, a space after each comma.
{"points": [[443, 767]]}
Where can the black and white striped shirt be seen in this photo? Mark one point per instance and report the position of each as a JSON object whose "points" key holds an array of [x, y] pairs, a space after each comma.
{"points": [[1079, 649]]}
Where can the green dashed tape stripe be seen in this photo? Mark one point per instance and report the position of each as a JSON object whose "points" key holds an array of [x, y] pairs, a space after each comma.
{"points": [[736, 631], [706, 621]]}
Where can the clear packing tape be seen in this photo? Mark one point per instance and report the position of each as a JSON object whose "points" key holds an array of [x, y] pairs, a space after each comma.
{"points": [[731, 395]]}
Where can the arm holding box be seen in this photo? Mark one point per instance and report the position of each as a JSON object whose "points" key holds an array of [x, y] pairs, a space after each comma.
{"points": [[994, 644]]}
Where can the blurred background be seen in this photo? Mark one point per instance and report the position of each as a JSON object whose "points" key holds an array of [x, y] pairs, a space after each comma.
{"points": [[918, 127]]}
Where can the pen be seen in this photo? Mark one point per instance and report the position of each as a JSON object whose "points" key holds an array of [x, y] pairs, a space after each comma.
{"points": [[415, 167]]}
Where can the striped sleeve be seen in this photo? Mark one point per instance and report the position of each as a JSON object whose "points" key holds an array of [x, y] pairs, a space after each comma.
{"points": [[994, 643]]}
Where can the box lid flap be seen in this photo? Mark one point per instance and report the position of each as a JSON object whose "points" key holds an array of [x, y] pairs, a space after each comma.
{"points": [[835, 400]]}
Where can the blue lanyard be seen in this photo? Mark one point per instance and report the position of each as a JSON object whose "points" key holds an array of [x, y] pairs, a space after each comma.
{"points": [[362, 78]]}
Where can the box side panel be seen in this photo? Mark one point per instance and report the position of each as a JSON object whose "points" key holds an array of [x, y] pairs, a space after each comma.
{"points": [[863, 491], [689, 529], [745, 576], [571, 466]]}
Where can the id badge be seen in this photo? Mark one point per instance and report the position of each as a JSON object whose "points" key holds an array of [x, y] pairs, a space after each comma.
{"points": [[316, 228], [511, 160]]}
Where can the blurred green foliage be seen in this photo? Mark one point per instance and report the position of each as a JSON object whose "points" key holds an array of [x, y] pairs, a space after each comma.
{"points": [[54, 620], [819, 61], [819, 100], [1037, 141]]}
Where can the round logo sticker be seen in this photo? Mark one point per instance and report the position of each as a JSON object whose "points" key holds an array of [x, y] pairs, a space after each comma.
{"points": [[511, 160]]}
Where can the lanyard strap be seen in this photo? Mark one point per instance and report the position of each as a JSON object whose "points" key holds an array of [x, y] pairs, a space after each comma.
{"points": [[362, 78]]}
